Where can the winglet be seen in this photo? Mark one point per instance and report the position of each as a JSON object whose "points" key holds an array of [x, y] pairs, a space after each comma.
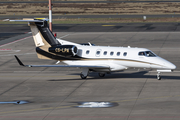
{"points": [[19, 61]]}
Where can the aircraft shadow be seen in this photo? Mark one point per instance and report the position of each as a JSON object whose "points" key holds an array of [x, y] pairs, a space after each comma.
{"points": [[141, 74]]}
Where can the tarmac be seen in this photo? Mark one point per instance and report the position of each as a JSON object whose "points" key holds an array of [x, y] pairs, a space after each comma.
{"points": [[59, 93], [14, 30]]}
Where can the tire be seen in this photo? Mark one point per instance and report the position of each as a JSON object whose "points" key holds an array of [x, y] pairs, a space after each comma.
{"points": [[158, 77], [82, 76], [101, 74]]}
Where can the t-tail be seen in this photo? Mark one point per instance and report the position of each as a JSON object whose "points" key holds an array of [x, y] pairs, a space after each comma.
{"points": [[47, 46]]}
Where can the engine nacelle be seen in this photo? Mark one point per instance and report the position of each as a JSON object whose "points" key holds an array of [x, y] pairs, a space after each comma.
{"points": [[65, 50]]}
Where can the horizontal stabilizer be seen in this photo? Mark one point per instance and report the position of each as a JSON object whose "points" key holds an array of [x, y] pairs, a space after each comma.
{"points": [[25, 21], [79, 66], [28, 20]]}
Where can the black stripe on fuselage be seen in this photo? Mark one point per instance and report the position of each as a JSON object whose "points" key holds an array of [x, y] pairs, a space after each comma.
{"points": [[54, 56]]}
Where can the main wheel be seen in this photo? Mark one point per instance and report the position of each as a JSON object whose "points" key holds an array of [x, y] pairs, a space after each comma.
{"points": [[82, 76], [101, 74], [159, 77]]}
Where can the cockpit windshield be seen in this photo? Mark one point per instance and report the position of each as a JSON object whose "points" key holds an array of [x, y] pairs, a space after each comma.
{"points": [[147, 54]]}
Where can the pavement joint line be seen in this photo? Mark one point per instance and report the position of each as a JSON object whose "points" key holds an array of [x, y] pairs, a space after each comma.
{"points": [[65, 98], [164, 42], [15, 41], [51, 108], [65, 36], [19, 54], [137, 98], [17, 85]]}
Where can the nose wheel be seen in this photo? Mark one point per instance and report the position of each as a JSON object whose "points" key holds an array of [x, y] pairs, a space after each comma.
{"points": [[158, 76]]}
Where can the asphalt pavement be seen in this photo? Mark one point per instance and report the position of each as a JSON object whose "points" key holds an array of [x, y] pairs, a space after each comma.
{"points": [[55, 93], [10, 30]]}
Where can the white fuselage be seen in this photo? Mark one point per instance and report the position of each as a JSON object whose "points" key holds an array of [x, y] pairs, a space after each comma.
{"points": [[118, 58]]}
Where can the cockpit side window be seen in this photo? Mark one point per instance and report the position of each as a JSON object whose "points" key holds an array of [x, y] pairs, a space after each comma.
{"points": [[150, 54], [147, 54]]}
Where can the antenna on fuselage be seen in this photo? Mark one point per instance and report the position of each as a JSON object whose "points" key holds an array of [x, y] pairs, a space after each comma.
{"points": [[89, 44]]}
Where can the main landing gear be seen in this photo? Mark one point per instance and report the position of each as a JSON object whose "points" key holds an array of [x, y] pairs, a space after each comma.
{"points": [[101, 74], [84, 73], [158, 76], [82, 76]]}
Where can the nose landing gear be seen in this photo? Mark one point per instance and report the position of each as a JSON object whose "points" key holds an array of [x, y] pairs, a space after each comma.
{"points": [[158, 76]]}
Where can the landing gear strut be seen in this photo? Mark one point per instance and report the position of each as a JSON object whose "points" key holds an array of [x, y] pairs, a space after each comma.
{"points": [[84, 73], [158, 76], [82, 76]]}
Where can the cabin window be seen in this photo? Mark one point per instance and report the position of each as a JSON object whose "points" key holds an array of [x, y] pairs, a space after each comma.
{"points": [[87, 52], [105, 52], [111, 53], [98, 53], [118, 53], [125, 54]]}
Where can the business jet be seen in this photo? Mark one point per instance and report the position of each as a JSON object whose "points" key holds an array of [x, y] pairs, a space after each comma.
{"points": [[88, 57]]}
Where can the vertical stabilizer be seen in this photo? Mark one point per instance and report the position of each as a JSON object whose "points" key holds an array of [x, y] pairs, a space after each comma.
{"points": [[37, 36], [43, 37]]}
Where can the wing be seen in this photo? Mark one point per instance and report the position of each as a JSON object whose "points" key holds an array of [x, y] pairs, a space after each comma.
{"points": [[79, 66]]}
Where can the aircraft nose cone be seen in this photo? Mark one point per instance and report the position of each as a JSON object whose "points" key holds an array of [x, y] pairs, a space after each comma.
{"points": [[166, 64], [171, 66]]}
